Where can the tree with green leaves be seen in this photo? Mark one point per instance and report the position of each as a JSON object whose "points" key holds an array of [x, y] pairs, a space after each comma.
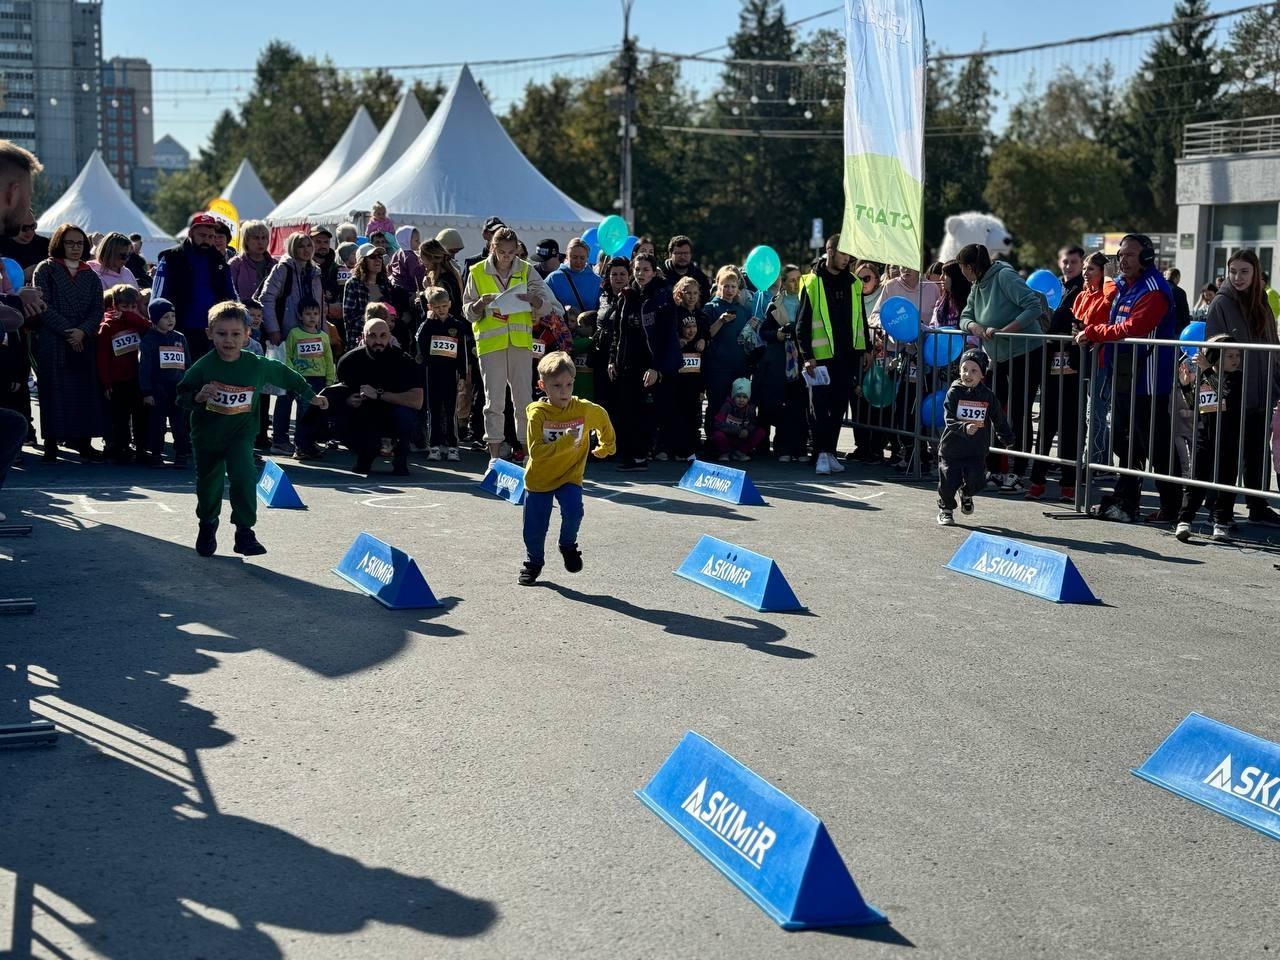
{"points": [[1251, 65], [957, 139], [180, 194], [1175, 85]]}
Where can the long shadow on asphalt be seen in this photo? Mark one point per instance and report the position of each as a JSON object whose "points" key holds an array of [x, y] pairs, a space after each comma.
{"points": [[1110, 547], [876, 933], [753, 634], [115, 834]]}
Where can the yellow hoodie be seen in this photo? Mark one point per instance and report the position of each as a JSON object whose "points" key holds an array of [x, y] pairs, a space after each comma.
{"points": [[558, 442]]}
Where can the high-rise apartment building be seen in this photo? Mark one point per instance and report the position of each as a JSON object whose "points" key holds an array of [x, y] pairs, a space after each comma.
{"points": [[51, 77], [127, 128]]}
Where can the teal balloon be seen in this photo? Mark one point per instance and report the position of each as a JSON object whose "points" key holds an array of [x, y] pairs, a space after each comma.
{"points": [[612, 234], [628, 246], [1046, 283], [900, 319], [1195, 330], [14, 272], [932, 412], [763, 267], [942, 348]]}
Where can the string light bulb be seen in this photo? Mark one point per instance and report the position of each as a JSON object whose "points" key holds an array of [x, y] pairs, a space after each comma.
{"points": [[85, 86], [1215, 68], [791, 101], [53, 101], [297, 109], [1148, 75], [808, 114], [1182, 49]]}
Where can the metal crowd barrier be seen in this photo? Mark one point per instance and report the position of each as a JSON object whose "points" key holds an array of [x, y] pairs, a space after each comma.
{"points": [[1069, 424]]}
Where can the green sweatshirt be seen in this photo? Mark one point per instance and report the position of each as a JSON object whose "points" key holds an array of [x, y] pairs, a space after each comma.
{"points": [[234, 410], [309, 354], [1002, 299]]}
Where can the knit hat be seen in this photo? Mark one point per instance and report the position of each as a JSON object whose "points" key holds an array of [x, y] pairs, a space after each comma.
{"points": [[347, 249], [742, 387], [450, 239], [158, 308], [978, 357]]}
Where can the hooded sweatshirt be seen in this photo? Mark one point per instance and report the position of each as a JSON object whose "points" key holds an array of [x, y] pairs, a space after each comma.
{"points": [[1001, 300], [119, 338], [405, 269], [162, 361], [964, 405]]}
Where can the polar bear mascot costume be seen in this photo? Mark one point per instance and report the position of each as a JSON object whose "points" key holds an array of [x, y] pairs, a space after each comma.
{"points": [[974, 227]]}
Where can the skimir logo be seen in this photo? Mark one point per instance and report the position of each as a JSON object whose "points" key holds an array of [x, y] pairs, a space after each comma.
{"points": [[1000, 567], [728, 572], [506, 482], [377, 568], [731, 823], [1256, 786], [720, 484]]}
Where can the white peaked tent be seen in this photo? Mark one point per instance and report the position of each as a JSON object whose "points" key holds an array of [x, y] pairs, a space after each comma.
{"points": [[402, 127], [351, 146], [96, 204], [462, 169], [248, 194]]}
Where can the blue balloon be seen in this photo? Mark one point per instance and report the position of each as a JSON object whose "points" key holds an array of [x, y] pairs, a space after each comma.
{"points": [[763, 267], [942, 347], [1046, 283], [360, 241], [1194, 330], [628, 247], [14, 272], [900, 319], [591, 237], [932, 412], [612, 234]]}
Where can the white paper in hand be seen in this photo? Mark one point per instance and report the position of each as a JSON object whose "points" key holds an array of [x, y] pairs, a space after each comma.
{"points": [[509, 301], [819, 377]]}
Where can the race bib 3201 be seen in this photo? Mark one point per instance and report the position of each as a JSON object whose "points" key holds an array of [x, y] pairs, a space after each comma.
{"points": [[173, 358]]}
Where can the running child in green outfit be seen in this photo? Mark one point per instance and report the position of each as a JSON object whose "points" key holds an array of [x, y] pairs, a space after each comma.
{"points": [[221, 393]]}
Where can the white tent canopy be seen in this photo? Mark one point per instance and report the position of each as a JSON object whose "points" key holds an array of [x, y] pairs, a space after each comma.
{"points": [[96, 204], [462, 169], [353, 143], [402, 127], [248, 194]]}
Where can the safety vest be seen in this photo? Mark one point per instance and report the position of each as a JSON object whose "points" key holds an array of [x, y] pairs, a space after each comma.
{"points": [[822, 341], [497, 331]]}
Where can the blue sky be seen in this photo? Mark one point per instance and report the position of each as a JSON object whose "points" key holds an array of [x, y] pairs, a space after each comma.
{"points": [[230, 33]]}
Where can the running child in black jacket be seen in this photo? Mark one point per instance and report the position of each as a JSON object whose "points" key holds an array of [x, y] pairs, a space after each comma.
{"points": [[971, 407]]}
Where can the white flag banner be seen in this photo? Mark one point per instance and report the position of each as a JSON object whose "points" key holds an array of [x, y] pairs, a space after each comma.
{"points": [[884, 131]]}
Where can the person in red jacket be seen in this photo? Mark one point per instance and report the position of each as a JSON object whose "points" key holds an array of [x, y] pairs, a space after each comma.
{"points": [[119, 339]]}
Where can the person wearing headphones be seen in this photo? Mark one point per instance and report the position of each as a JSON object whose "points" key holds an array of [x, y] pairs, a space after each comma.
{"points": [[1143, 376]]}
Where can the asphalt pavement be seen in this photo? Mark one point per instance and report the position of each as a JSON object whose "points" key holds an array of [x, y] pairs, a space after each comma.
{"points": [[262, 762]]}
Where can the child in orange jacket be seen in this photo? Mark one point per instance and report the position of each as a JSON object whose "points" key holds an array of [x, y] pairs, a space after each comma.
{"points": [[119, 340]]}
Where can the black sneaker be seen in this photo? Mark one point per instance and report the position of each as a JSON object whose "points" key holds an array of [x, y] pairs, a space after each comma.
{"points": [[207, 541], [529, 573], [400, 470], [1264, 515], [966, 505], [572, 557], [633, 465], [247, 544]]}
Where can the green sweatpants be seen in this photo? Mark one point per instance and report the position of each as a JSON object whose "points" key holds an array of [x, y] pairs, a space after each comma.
{"points": [[215, 464]]}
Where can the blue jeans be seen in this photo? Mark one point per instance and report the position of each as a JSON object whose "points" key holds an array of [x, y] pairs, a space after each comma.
{"points": [[537, 518], [1099, 408]]}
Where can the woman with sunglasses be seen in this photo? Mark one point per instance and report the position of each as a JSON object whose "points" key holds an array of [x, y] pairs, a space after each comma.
{"points": [[72, 407], [368, 284]]}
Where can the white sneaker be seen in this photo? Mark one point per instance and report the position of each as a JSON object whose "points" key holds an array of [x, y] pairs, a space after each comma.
{"points": [[740, 456], [834, 463], [1221, 531], [1183, 532], [723, 458], [946, 518], [824, 465], [785, 458], [803, 458], [504, 451], [661, 456], [433, 453], [453, 456], [691, 457]]}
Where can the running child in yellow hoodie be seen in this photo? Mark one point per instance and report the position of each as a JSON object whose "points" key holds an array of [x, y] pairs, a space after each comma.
{"points": [[560, 427]]}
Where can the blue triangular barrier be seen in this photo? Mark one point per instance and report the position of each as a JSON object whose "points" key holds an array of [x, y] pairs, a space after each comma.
{"points": [[1217, 766], [739, 574], [506, 480], [773, 849], [276, 490], [1046, 574], [388, 575], [721, 483]]}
